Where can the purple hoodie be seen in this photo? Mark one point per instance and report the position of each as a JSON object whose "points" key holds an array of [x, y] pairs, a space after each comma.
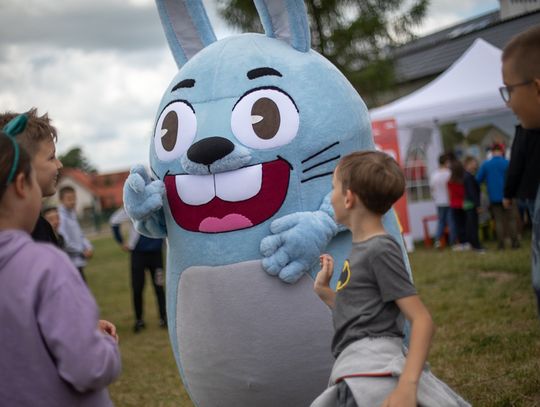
{"points": [[51, 352]]}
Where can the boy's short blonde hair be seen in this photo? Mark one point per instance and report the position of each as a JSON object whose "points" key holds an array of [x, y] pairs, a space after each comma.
{"points": [[523, 52], [374, 177], [38, 129]]}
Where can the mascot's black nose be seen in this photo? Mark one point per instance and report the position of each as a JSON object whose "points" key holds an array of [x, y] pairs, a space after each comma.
{"points": [[209, 150]]}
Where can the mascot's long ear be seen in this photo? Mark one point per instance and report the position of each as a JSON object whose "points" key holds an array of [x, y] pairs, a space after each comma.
{"points": [[286, 20], [186, 26]]}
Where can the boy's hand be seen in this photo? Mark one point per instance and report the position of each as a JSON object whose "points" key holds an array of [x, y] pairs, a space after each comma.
{"points": [[322, 281], [108, 328], [327, 269], [404, 395]]}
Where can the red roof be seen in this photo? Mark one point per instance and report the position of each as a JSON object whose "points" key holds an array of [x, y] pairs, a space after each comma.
{"points": [[107, 187]]}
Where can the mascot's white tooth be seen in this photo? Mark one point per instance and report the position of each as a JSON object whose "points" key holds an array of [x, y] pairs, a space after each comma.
{"points": [[239, 185], [195, 189]]}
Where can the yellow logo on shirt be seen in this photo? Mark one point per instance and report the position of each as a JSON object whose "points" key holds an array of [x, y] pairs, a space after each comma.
{"points": [[344, 277]]}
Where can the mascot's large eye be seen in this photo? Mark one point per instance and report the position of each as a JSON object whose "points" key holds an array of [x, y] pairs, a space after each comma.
{"points": [[265, 118], [175, 130]]}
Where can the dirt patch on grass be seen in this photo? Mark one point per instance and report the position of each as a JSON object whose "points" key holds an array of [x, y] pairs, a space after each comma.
{"points": [[500, 276]]}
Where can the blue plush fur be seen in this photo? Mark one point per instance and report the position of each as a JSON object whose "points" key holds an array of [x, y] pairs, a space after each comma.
{"points": [[321, 118]]}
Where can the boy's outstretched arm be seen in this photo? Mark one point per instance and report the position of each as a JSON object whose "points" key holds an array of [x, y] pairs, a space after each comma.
{"points": [[322, 281], [422, 330]]}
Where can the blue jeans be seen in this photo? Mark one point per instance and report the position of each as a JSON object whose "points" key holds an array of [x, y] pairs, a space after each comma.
{"points": [[534, 210], [444, 215]]}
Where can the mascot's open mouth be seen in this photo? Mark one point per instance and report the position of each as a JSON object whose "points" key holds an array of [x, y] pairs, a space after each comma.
{"points": [[230, 200]]}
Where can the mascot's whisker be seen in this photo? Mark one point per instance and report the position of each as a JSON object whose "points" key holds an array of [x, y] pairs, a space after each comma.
{"points": [[316, 176], [320, 152], [337, 157]]}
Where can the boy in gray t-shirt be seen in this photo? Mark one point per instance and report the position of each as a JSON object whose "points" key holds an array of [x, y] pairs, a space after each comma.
{"points": [[373, 294], [372, 279]]}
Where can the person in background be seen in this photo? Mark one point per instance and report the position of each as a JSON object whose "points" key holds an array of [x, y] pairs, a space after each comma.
{"points": [[456, 193], [523, 175], [145, 253], [76, 245], [438, 184], [521, 92], [55, 351], [493, 173], [471, 203], [37, 136], [50, 213]]}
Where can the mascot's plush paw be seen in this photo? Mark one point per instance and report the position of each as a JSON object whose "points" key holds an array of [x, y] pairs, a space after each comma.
{"points": [[297, 241], [142, 196]]}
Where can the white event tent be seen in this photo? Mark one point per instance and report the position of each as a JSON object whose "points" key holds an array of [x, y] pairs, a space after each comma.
{"points": [[467, 94]]}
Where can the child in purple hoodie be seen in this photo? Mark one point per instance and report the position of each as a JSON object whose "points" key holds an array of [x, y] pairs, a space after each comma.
{"points": [[54, 351]]}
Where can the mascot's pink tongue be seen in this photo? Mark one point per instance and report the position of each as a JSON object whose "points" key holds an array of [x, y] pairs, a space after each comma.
{"points": [[229, 222]]}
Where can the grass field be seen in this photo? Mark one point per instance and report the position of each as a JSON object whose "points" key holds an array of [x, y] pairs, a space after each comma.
{"points": [[487, 345]]}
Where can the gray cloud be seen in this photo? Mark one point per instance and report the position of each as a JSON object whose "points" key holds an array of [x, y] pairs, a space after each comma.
{"points": [[116, 26], [88, 25]]}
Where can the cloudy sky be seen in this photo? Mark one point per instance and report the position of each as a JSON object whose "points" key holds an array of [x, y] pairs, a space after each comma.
{"points": [[99, 68]]}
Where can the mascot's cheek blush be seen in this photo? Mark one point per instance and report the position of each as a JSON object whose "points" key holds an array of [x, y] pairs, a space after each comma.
{"points": [[223, 203]]}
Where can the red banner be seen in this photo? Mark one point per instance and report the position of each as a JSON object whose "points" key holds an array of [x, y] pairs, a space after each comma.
{"points": [[385, 138]]}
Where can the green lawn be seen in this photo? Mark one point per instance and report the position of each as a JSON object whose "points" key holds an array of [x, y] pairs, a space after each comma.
{"points": [[149, 374], [487, 345]]}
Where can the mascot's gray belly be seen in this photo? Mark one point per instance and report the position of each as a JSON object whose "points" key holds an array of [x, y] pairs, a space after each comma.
{"points": [[241, 333]]}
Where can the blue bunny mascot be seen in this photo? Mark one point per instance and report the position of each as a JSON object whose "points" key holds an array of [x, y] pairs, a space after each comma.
{"points": [[245, 141]]}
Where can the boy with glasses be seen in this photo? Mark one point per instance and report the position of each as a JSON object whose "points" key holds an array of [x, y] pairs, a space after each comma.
{"points": [[521, 76]]}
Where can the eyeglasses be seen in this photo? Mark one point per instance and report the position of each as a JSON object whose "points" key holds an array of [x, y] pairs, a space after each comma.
{"points": [[506, 91]]}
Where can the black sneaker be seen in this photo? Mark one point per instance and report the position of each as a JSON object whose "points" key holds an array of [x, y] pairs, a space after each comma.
{"points": [[163, 323], [139, 325]]}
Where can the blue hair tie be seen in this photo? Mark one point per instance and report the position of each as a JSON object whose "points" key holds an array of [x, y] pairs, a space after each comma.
{"points": [[16, 125], [11, 129]]}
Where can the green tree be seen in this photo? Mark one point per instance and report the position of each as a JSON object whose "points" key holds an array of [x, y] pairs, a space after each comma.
{"points": [[451, 136], [75, 158], [356, 35]]}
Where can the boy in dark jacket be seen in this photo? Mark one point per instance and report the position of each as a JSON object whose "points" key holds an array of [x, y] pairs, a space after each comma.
{"points": [[471, 204], [521, 77]]}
